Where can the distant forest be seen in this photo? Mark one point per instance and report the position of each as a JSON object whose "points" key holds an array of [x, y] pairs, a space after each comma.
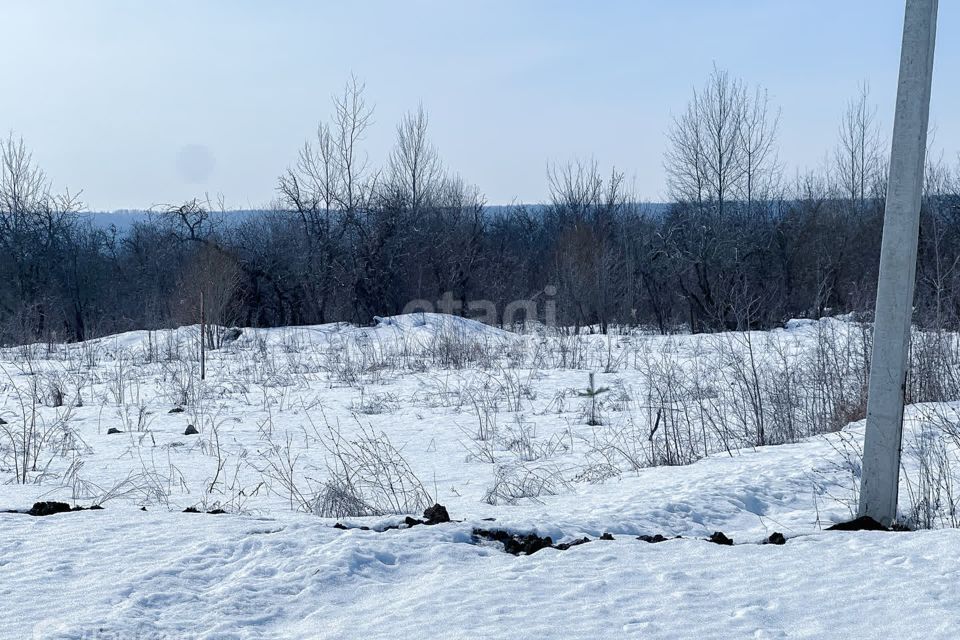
{"points": [[741, 244]]}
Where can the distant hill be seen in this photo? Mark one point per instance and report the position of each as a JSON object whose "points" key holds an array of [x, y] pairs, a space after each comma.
{"points": [[124, 219]]}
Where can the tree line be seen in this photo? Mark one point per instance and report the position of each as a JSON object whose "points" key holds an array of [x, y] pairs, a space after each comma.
{"points": [[740, 245]]}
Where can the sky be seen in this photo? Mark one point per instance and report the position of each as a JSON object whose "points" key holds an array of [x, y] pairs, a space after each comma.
{"points": [[140, 104]]}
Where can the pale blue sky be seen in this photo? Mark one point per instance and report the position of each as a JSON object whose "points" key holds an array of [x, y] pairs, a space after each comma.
{"points": [[109, 93]]}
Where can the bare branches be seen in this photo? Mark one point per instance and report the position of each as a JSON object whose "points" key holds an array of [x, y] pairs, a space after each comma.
{"points": [[414, 167], [24, 187], [857, 157], [758, 157], [352, 117], [332, 171], [368, 476], [35, 224], [192, 217], [723, 147]]}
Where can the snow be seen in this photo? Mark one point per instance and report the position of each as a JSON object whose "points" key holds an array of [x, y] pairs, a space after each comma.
{"points": [[133, 575], [265, 570]]}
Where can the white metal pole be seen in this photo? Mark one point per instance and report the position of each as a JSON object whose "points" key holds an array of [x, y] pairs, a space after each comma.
{"points": [[898, 266]]}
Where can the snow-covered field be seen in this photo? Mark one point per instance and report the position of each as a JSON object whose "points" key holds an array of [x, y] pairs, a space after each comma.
{"points": [[300, 429]]}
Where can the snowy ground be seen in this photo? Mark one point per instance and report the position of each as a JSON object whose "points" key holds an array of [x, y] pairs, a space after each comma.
{"points": [[276, 401]]}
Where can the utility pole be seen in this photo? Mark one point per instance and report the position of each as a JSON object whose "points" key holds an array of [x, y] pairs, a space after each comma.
{"points": [[898, 266]]}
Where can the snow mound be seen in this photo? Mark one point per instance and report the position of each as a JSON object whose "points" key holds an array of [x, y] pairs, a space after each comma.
{"points": [[422, 326], [797, 323], [438, 324]]}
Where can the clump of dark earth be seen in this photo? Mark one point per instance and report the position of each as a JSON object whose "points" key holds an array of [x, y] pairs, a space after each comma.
{"points": [[515, 543], [437, 514], [863, 523], [563, 546], [190, 430], [776, 538], [214, 512], [48, 508], [718, 537], [113, 430], [176, 410], [529, 544], [652, 539]]}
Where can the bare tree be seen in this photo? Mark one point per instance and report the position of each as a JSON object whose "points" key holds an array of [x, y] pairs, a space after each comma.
{"points": [[586, 208], [576, 188], [311, 190], [34, 226], [351, 120], [450, 234], [705, 159], [313, 184], [721, 160], [721, 107], [212, 275], [857, 157], [414, 166], [938, 270], [333, 172], [190, 220], [328, 188], [758, 151], [685, 159]]}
